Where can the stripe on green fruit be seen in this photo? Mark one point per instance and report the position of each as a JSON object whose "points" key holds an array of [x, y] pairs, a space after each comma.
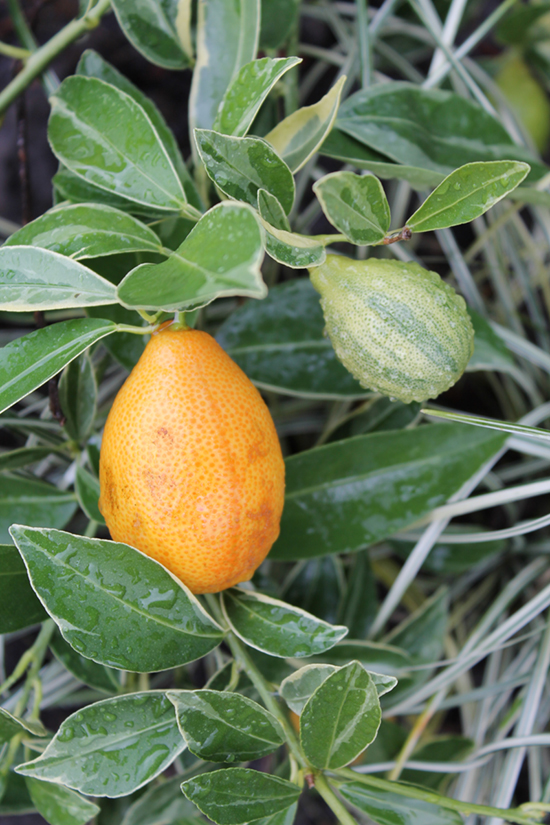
{"points": [[398, 328]]}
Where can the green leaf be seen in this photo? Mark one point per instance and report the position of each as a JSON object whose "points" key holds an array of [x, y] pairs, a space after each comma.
{"points": [[87, 491], [16, 799], [86, 231], [297, 688], [342, 147], [316, 585], [22, 457], [515, 25], [279, 343], [200, 270], [380, 414], [278, 20], [227, 39], [287, 817], [74, 189], [32, 278], [78, 397], [441, 749], [36, 501], [490, 351], [427, 128], [112, 747], [389, 808], [102, 678], [238, 795], [152, 27], [91, 64], [467, 193], [356, 205], [225, 727], [360, 601], [277, 628], [162, 805], [113, 604], [10, 725], [292, 250], [376, 657], [19, 606], [101, 134], [349, 494], [341, 718], [240, 166], [30, 361], [298, 136], [248, 90], [271, 211], [126, 347], [59, 805]]}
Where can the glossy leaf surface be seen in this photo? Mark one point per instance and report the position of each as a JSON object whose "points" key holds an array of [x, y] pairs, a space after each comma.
{"points": [[112, 747], [277, 628], [241, 166], [19, 606], [298, 136], [227, 39], [86, 231], [91, 64], [152, 27], [297, 688], [38, 501], [427, 128], [59, 805], [32, 278], [78, 397], [105, 137], [10, 725], [238, 795], [388, 808], [351, 493], [199, 270], [225, 727], [271, 211], [341, 718], [242, 100], [30, 361], [293, 250], [467, 193], [356, 205], [87, 491], [104, 595], [280, 345], [105, 679], [22, 457], [343, 147]]}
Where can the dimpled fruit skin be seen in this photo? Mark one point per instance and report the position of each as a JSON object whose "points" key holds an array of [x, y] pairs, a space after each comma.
{"points": [[191, 470], [398, 328]]}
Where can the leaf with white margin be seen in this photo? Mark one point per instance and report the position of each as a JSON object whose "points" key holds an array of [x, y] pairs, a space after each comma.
{"points": [[248, 90], [87, 230], [32, 278], [277, 628], [114, 604], [220, 257], [113, 747], [298, 136]]}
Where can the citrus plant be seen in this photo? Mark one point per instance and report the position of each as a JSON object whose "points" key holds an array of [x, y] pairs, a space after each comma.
{"points": [[213, 655]]}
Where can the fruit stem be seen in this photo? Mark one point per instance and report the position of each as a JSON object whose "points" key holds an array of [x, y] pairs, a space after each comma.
{"points": [[135, 330], [179, 320], [243, 659]]}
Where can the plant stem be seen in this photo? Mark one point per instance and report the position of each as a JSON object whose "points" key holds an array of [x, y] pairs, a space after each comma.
{"points": [[14, 51], [243, 659], [41, 58], [410, 791], [341, 813], [135, 330]]}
